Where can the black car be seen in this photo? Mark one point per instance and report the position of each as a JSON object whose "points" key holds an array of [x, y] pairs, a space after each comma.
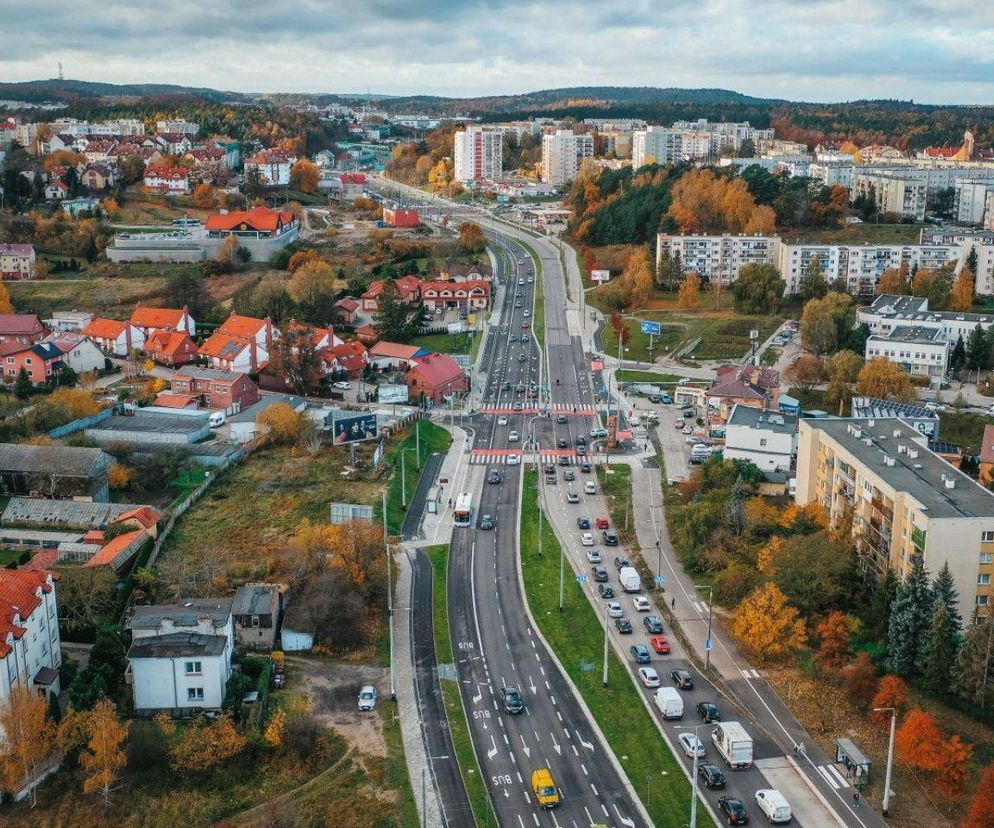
{"points": [[494, 476], [512, 700], [600, 573], [564, 460], [605, 590], [581, 450], [562, 442], [619, 562], [733, 809], [583, 523], [711, 775], [549, 469], [687, 415], [682, 679], [486, 522], [624, 626], [653, 624], [581, 440], [610, 537], [561, 419], [640, 654], [709, 712], [585, 468]]}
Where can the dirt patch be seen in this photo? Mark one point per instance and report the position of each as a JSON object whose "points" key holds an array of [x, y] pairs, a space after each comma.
{"points": [[333, 688]]}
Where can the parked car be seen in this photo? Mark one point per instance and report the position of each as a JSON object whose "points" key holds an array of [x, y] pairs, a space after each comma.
{"points": [[661, 644], [678, 425], [682, 679], [367, 697], [342, 385], [709, 712], [733, 810], [624, 626], [648, 677], [691, 745], [640, 653], [598, 432], [653, 624], [711, 775]]}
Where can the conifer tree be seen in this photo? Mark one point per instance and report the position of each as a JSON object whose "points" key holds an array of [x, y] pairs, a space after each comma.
{"points": [[910, 615]]}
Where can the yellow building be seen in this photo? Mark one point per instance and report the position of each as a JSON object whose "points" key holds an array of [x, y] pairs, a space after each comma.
{"points": [[902, 499]]}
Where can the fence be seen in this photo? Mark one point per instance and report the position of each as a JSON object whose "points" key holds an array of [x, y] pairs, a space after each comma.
{"points": [[80, 424]]}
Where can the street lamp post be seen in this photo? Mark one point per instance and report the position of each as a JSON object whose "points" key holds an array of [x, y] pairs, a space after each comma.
{"points": [[890, 756], [693, 791], [607, 621], [707, 648]]}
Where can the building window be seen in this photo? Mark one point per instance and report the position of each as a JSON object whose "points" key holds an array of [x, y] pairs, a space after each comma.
{"points": [[981, 600], [983, 580], [255, 620], [762, 441], [193, 668], [987, 537], [986, 557], [194, 693]]}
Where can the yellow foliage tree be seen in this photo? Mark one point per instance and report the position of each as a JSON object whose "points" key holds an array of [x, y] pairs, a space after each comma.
{"points": [[103, 756], [313, 283], [37, 440], [302, 257], [204, 746], [120, 476], [961, 298], [882, 378], [275, 728], [922, 282], [304, 176], [689, 292], [148, 365], [766, 558], [203, 197], [892, 281], [29, 736], [110, 207], [6, 306], [636, 281], [761, 515], [155, 385], [281, 424], [767, 625]]}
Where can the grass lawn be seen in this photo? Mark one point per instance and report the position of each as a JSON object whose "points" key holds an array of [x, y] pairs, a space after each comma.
{"points": [[458, 726], [112, 296], [467, 342], [615, 483], [628, 375], [963, 429], [433, 438], [576, 636], [813, 400]]}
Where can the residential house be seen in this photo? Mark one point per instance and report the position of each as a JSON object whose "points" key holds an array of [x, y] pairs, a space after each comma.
{"points": [[97, 149], [171, 348], [353, 186], [115, 338], [23, 328], [173, 143], [54, 471], [351, 357], [145, 518], [98, 176], [467, 296], [68, 320], [987, 455], [30, 648], [56, 190], [742, 385], [391, 355], [244, 425], [436, 376], [256, 610], [454, 272], [232, 353], [79, 352], [767, 439], [260, 230], [273, 166], [171, 180], [408, 290], [41, 362], [180, 402], [347, 308], [180, 655], [119, 552], [150, 320], [17, 261], [227, 391]]}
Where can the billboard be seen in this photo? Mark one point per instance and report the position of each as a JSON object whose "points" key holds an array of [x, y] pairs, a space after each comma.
{"points": [[354, 429], [346, 512], [600, 276], [651, 328], [392, 394]]}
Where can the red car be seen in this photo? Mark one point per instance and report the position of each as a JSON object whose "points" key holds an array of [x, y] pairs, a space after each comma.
{"points": [[660, 644], [602, 522], [525, 325]]}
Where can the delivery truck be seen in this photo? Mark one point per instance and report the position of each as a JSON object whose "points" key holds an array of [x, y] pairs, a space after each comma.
{"points": [[734, 744], [629, 578]]}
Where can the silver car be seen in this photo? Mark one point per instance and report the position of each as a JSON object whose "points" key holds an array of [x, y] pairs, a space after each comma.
{"points": [[367, 697]]}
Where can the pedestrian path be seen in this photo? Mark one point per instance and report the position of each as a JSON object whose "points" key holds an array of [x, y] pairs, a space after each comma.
{"points": [[833, 776]]}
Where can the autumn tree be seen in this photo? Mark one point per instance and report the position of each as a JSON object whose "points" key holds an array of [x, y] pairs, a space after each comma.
{"points": [[471, 237], [882, 378], [636, 281], [203, 746], [767, 625], [104, 757], [302, 257], [758, 289], [120, 476], [313, 289], [894, 282], [295, 357], [281, 424], [982, 804], [304, 176], [702, 202], [860, 678], [834, 634], [891, 692], [918, 741], [275, 728], [812, 284], [689, 293], [203, 197], [952, 770], [806, 372], [29, 736], [843, 369], [962, 294]]}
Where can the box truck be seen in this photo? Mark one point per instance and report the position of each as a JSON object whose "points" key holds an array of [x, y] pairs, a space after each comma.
{"points": [[734, 744], [670, 702], [629, 579]]}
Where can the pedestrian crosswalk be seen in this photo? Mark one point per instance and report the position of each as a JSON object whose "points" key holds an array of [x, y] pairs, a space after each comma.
{"points": [[501, 457], [833, 776], [531, 407], [700, 606], [750, 674]]}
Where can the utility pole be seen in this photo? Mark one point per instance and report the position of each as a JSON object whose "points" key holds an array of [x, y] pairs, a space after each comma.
{"points": [[693, 792], [403, 477], [890, 756], [606, 624], [707, 647], [417, 441]]}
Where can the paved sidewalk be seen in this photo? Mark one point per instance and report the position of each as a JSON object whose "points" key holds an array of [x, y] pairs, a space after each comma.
{"points": [[437, 527]]}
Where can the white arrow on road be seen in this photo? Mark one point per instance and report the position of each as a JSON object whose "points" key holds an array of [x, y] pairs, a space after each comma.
{"points": [[587, 745], [493, 751], [555, 745], [531, 685], [478, 696], [525, 747], [624, 820]]}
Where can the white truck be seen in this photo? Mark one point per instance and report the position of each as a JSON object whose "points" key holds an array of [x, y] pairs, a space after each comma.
{"points": [[629, 579], [775, 805], [670, 702], [734, 744]]}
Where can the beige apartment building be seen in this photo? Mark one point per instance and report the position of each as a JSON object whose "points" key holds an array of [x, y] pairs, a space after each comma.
{"points": [[903, 498]]}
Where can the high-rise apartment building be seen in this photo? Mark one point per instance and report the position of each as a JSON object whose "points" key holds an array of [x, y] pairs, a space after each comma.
{"points": [[477, 154], [563, 153]]}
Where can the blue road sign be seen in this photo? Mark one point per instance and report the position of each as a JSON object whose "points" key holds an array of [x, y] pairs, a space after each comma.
{"points": [[659, 579], [650, 328], [708, 644], [581, 579]]}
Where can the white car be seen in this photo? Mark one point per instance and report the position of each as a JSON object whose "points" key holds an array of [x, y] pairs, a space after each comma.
{"points": [[513, 460], [502, 420], [594, 556], [512, 436], [614, 610], [572, 497], [688, 430], [693, 441], [691, 745], [641, 603], [587, 539], [341, 384], [648, 677], [590, 487], [367, 697]]}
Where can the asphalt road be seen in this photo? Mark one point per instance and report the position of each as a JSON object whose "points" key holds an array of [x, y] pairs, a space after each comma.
{"points": [[416, 505]]}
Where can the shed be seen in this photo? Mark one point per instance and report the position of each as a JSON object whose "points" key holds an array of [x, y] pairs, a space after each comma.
{"points": [[297, 633]]}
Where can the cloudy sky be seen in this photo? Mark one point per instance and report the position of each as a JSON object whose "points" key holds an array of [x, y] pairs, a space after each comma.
{"points": [[935, 51]]}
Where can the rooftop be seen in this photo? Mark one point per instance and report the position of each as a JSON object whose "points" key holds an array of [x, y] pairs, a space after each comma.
{"points": [[215, 374], [255, 599], [152, 425], [889, 409], [39, 511], [68, 461], [775, 421], [249, 415], [184, 614], [177, 645], [912, 334]]}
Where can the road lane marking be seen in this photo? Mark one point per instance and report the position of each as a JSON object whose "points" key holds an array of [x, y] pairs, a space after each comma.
{"points": [[593, 787], [584, 769]]}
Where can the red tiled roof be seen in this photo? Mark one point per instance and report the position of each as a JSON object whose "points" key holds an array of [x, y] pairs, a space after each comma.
{"points": [[444, 284], [16, 249], [170, 173], [42, 561], [19, 597], [245, 327], [169, 318], [350, 355], [393, 350], [20, 323], [222, 346], [114, 547], [258, 218], [169, 399], [269, 156], [353, 178], [104, 328], [348, 304], [167, 342], [437, 369], [145, 515], [987, 447]]}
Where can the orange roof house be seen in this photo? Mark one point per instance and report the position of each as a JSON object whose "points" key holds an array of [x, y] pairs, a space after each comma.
{"points": [[259, 221], [143, 517], [20, 596], [149, 320], [119, 552], [171, 347]]}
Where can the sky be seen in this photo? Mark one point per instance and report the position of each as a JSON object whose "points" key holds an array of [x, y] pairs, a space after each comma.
{"points": [[931, 51]]}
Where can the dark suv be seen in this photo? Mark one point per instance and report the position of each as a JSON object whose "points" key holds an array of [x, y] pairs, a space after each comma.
{"points": [[682, 679], [619, 562], [733, 809], [610, 537], [512, 700], [711, 775]]}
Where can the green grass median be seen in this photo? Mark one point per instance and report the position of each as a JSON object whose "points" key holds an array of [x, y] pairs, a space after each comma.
{"points": [[538, 317], [406, 474], [577, 638]]}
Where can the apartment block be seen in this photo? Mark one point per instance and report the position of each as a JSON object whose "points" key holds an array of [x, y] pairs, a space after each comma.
{"points": [[921, 351], [563, 153], [478, 153], [667, 145], [971, 200], [897, 194], [718, 257], [903, 499], [723, 134]]}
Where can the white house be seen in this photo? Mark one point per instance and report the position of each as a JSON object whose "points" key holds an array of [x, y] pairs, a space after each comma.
{"points": [[113, 337], [30, 649], [168, 179], [273, 166], [78, 352], [767, 439], [180, 655]]}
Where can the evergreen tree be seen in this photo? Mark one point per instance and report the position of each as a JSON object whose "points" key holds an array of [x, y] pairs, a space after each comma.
{"points": [[974, 668], [54, 710], [735, 509], [957, 359], [971, 260], [977, 351], [882, 591], [23, 385], [393, 318], [938, 646], [910, 615], [944, 591]]}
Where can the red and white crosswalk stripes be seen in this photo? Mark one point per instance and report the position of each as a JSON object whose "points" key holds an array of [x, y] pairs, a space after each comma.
{"points": [[533, 408], [499, 457]]}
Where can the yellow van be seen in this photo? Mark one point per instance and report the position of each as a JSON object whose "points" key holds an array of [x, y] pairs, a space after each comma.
{"points": [[544, 786]]}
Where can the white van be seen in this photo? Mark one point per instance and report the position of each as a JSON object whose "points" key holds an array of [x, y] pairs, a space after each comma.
{"points": [[776, 807], [670, 702], [216, 420]]}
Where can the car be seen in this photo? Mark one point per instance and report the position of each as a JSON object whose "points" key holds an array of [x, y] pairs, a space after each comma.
{"points": [[494, 476], [594, 556], [531, 279], [688, 415], [620, 561], [525, 325], [648, 677], [624, 626], [585, 468], [513, 437], [682, 679], [640, 653], [581, 440], [654, 398], [599, 573], [562, 442], [653, 624], [590, 487], [641, 603], [733, 810], [583, 523], [688, 429], [711, 775], [691, 745], [605, 590], [598, 432], [367, 697], [513, 460], [614, 610], [502, 420], [518, 304], [678, 425], [517, 406], [513, 702], [709, 712], [602, 522], [342, 385], [548, 468], [661, 644], [610, 537], [693, 441], [550, 480], [521, 281], [561, 419], [586, 539], [522, 358], [527, 313], [487, 522], [666, 399], [572, 497], [564, 460], [569, 475]]}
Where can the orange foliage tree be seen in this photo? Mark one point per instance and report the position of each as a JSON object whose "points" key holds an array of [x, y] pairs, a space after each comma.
{"points": [[952, 770], [29, 736], [834, 634], [893, 281], [961, 298], [885, 379], [703, 202], [304, 176], [281, 424], [919, 742], [982, 805], [203, 196], [120, 476], [767, 625], [860, 677], [689, 292], [636, 281], [302, 257], [103, 757], [891, 692], [204, 746]]}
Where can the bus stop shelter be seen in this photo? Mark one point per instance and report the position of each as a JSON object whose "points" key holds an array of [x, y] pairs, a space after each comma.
{"points": [[857, 763]]}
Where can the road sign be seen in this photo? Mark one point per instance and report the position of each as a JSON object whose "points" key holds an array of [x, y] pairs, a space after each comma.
{"points": [[709, 645], [586, 666], [659, 579], [651, 328], [581, 579]]}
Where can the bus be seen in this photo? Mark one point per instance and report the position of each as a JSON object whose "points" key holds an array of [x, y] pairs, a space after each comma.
{"points": [[463, 513]]}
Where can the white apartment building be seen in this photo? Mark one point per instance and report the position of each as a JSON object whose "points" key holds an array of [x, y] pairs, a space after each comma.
{"points": [[899, 194], [903, 500], [833, 173], [669, 146], [889, 312], [614, 124], [30, 649], [563, 153], [179, 125], [76, 128], [717, 257], [477, 153], [920, 350], [726, 134], [971, 200], [767, 439]]}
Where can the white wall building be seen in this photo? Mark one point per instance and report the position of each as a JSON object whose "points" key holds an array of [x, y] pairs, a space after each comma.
{"points": [[833, 173], [899, 194], [30, 649], [767, 439], [889, 312], [273, 165], [920, 350], [667, 145], [563, 153], [180, 125], [725, 134], [477, 153], [718, 257], [971, 200]]}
